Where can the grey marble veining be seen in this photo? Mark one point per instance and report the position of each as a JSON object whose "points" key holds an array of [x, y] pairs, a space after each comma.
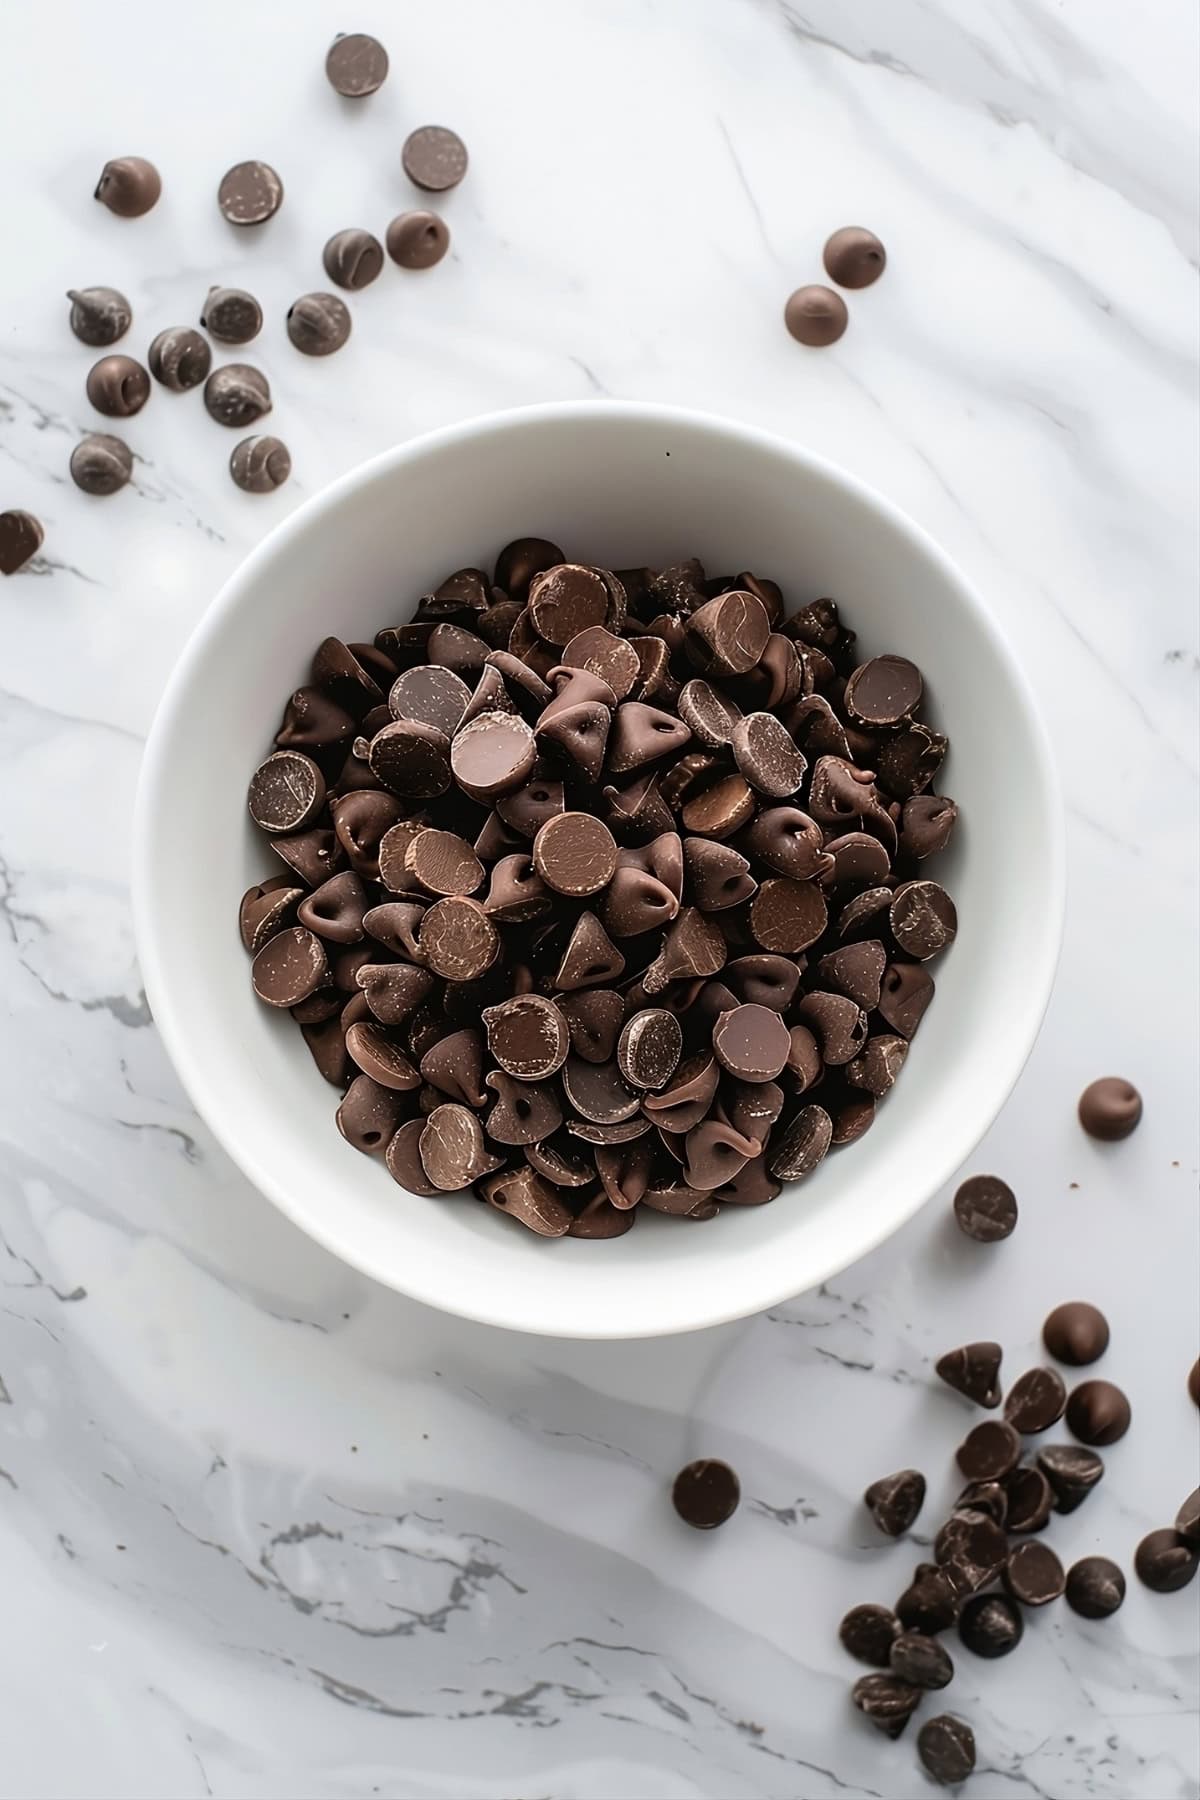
{"points": [[267, 1530]]}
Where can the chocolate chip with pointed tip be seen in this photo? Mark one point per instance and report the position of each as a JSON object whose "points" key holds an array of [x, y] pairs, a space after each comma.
{"points": [[526, 1197], [369, 1115], [973, 1370], [894, 1501]]}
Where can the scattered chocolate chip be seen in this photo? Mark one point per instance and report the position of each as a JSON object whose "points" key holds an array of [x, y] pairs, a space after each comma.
{"points": [[129, 186], [985, 1209], [20, 539], [352, 259], [921, 1659], [418, 240], [231, 315], [1072, 1473], [318, 324], [854, 257], [434, 158], [706, 1493], [1187, 1519], [99, 315], [179, 358], [236, 395], [1098, 1413], [946, 1747], [259, 465], [1036, 1400], [971, 1547], [989, 1451], [1076, 1333], [816, 316], [101, 463], [1095, 1587], [356, 64], [930, 1602], [118, 386], [973, 1370], [1110, 1108], [1030, 1499], [894, 1501], [886, 1701], [868, 1633], [250, 193], [1034, 1575], [990, 1625], [1165, 1561]]}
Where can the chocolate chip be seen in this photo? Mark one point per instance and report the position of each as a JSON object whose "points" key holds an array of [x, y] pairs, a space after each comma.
{"points": [[720, 810], [600, 1219], [726, 636], [492, 755], [454, 1066], [763, 980], [886, 1701], [854, 258], [525, 1112], [250, 193], [458, 941], [766, 755], [1187, 1519], [1095, 1587], [971, 1547], [877, 1065], [411, 759], [441, 862], [929, 1603], [352, 258], [590, 957], [840, 1025], [711, 716], [335, 910], [856, 971], [1072, 1473], [392, 990], [894, 1501], [788, 916], [926, 824], [356, 64], [129, 186], [923, 919], [649, 1048], [751, 1042], [434, 158], [973, 1370], [1098, 1413], [1110, 1109], [259, 465], [403, 1160], [985, 1208], [987, 1497], [575, 854], [688, 1095], [1165, 1561], [1076, 1333], [20, 539], [946, 1747], [314, 855], [236, 395], [990, 1625], [290, 966], [920, 1659], [524, 1196], [800, 1146], [101, 463], [527, 1036], [559, 1165], [1030, 1500], [1193, 1382], [231, 315], [179, 358], [286, 793], [816, 316], [453, 1151], [520, 561], [904, 995], [118, 386], [418, 240], [597, 1092], [99, 315], [883, 692], [706, 1493], [266, 909], [370, 1115], [989, 1451], [318, 324], [868, 1633], [1036, 1400], [377, 1056]]}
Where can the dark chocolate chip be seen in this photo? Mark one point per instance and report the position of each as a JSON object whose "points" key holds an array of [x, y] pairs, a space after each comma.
{"points": [[250, 193], [1098, 1413], [287, 792], [706, 1493], [356, 64], [411, 759], [1095, 1587], [1076, 1333], [990, 1625], [1165, 1561], [99, 315], [906, 990], [868, 1632], [1036, 1400], [854, 258], [918, 1658], [796, 1150], [20, 539], [926, 824], [1030, 1500], [973, 1370], [886, 1701], [1072, 1473], [318, 324], [894, 1501], [440, 862], [989, 1451], [527, 1036], [929, 1603], [816, 316], [946, 1747], [129, 186], [985, 1208], [971, 1547], [231, 315], [236, 395], [883, 692], [434, 158], [418, 240], [1110, 1108], [352, 258]]}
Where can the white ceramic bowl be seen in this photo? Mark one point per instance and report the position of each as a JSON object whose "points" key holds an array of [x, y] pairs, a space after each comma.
{"points": [[620, 485]]}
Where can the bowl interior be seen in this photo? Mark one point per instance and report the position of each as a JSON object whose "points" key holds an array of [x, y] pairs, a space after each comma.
{"points": [[619, 486]]}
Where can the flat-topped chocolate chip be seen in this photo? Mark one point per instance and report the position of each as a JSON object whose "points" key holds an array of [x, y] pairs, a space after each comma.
{"points": [[868, 1632], [411, 759], [1098, 1413], [528, 1036], [265, 909], [985, 1208], [886, 1701], [250, 193], [726, 636], [441, 862], [377, 1056], [418, 240], [946, 1747], [883, 691], [989, 1451], [287, 791], [894, 1501], [1095, 1587], [1110, 1108], [129, 186], [923, 919], [565, 600], [434, 158], [356, 64], [649, 1049], [458, 940], [1036, 1400], [318, 324], [706, 1493], [766, 755], [751, 1042], [575, 854], [1076, 1333], [99, 315], [788, 916], [492, 755], [710, 715], [597, 1091], [290, 966], [973, 1370]]}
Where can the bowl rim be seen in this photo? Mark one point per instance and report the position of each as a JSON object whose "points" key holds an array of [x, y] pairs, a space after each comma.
{"points": [[1037, 984]]}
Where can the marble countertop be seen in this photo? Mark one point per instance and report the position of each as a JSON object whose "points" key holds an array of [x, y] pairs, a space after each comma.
{"points": [[267, 1530]]}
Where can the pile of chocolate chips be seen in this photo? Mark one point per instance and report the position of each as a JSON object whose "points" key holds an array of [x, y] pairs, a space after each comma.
{"points": [[989, 1566], [604, 889]]}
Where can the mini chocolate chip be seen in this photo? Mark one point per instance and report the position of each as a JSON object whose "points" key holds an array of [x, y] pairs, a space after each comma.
{"points": [[920, 1659], [1165, 1561], [356, 64], [973, 1370], [985, 1209], [179, 358], [352, 258], [894, 1501], [129, 186], [854, 258], [1110, 1109], [99, 315], [236, 395], [1076, 1333], [816, 316], [231, 315], [1095, 1587], [946, 1747], [434, 158], [868, 1632], [249, 193], [1098, 1413], [318, 324], [1036, 1400], [990, 1625], [706, 1493], [418, 240], [989, 1451]]}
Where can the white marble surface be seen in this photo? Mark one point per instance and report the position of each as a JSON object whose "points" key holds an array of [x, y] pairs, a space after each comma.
{"points": [[266, 1530]]}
